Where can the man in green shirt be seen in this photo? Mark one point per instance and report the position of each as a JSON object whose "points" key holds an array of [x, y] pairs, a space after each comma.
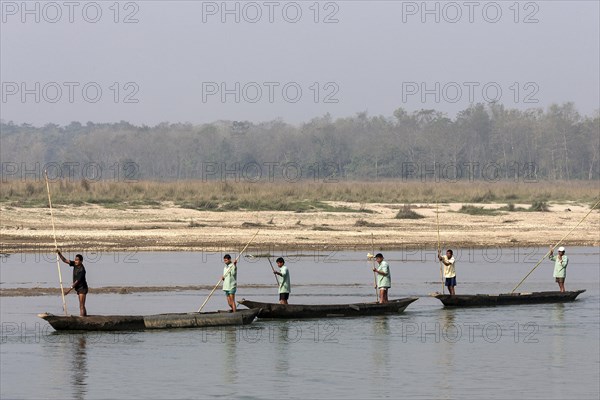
{"points": [[230, 280], [284, 284], [384, 277], [560, 266]]}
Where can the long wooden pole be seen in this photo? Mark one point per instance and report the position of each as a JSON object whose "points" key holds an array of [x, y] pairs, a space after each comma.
{"points": [[374, 273], [555, 246], [226, 272], [62, 289], [273, 269], [437, 214]]}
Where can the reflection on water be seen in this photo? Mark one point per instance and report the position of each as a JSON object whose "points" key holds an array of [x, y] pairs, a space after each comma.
{"points": [[79, 368], [381, 347], [282, 347], [558, 314], [449, 334], [230, 340], [61, 371], [558, 340]]}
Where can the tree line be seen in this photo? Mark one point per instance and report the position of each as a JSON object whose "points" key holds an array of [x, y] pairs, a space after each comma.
{"points": [[481, 142]]}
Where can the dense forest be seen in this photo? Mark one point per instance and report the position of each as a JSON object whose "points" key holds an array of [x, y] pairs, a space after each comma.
{"points": [[481, 142]]}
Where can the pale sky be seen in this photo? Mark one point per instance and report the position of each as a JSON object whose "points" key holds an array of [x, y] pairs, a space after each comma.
{"points": [[191, 61]]}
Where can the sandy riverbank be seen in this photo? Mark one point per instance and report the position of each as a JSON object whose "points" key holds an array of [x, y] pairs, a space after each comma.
{"points": [[170, 228]]}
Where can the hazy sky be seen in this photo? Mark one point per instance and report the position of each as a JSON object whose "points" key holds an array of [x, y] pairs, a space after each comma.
{"points": [[198, 61]]}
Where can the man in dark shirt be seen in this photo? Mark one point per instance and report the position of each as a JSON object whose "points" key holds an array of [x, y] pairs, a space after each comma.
{"points": [[79, 283]]}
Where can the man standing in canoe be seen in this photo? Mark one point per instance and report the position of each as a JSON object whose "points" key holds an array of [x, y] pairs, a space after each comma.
{"points": [[449, 270], [384, 277], [284, 285], [560, 266], [79, 283], [230, 280]]}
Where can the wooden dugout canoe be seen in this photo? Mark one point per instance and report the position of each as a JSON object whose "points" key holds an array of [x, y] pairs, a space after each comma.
{"points": [[276, 310], [142, 322], [506, 299]]}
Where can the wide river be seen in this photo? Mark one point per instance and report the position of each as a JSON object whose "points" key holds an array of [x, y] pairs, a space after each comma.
{"points": [[547, 351]]}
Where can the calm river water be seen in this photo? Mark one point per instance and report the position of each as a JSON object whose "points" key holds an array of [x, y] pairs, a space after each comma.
{"points": [[548, 351]]}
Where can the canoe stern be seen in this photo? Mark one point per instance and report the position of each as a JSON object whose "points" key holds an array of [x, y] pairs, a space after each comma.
{"points": [[284, 311], [490, 300], [158, 321]]}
